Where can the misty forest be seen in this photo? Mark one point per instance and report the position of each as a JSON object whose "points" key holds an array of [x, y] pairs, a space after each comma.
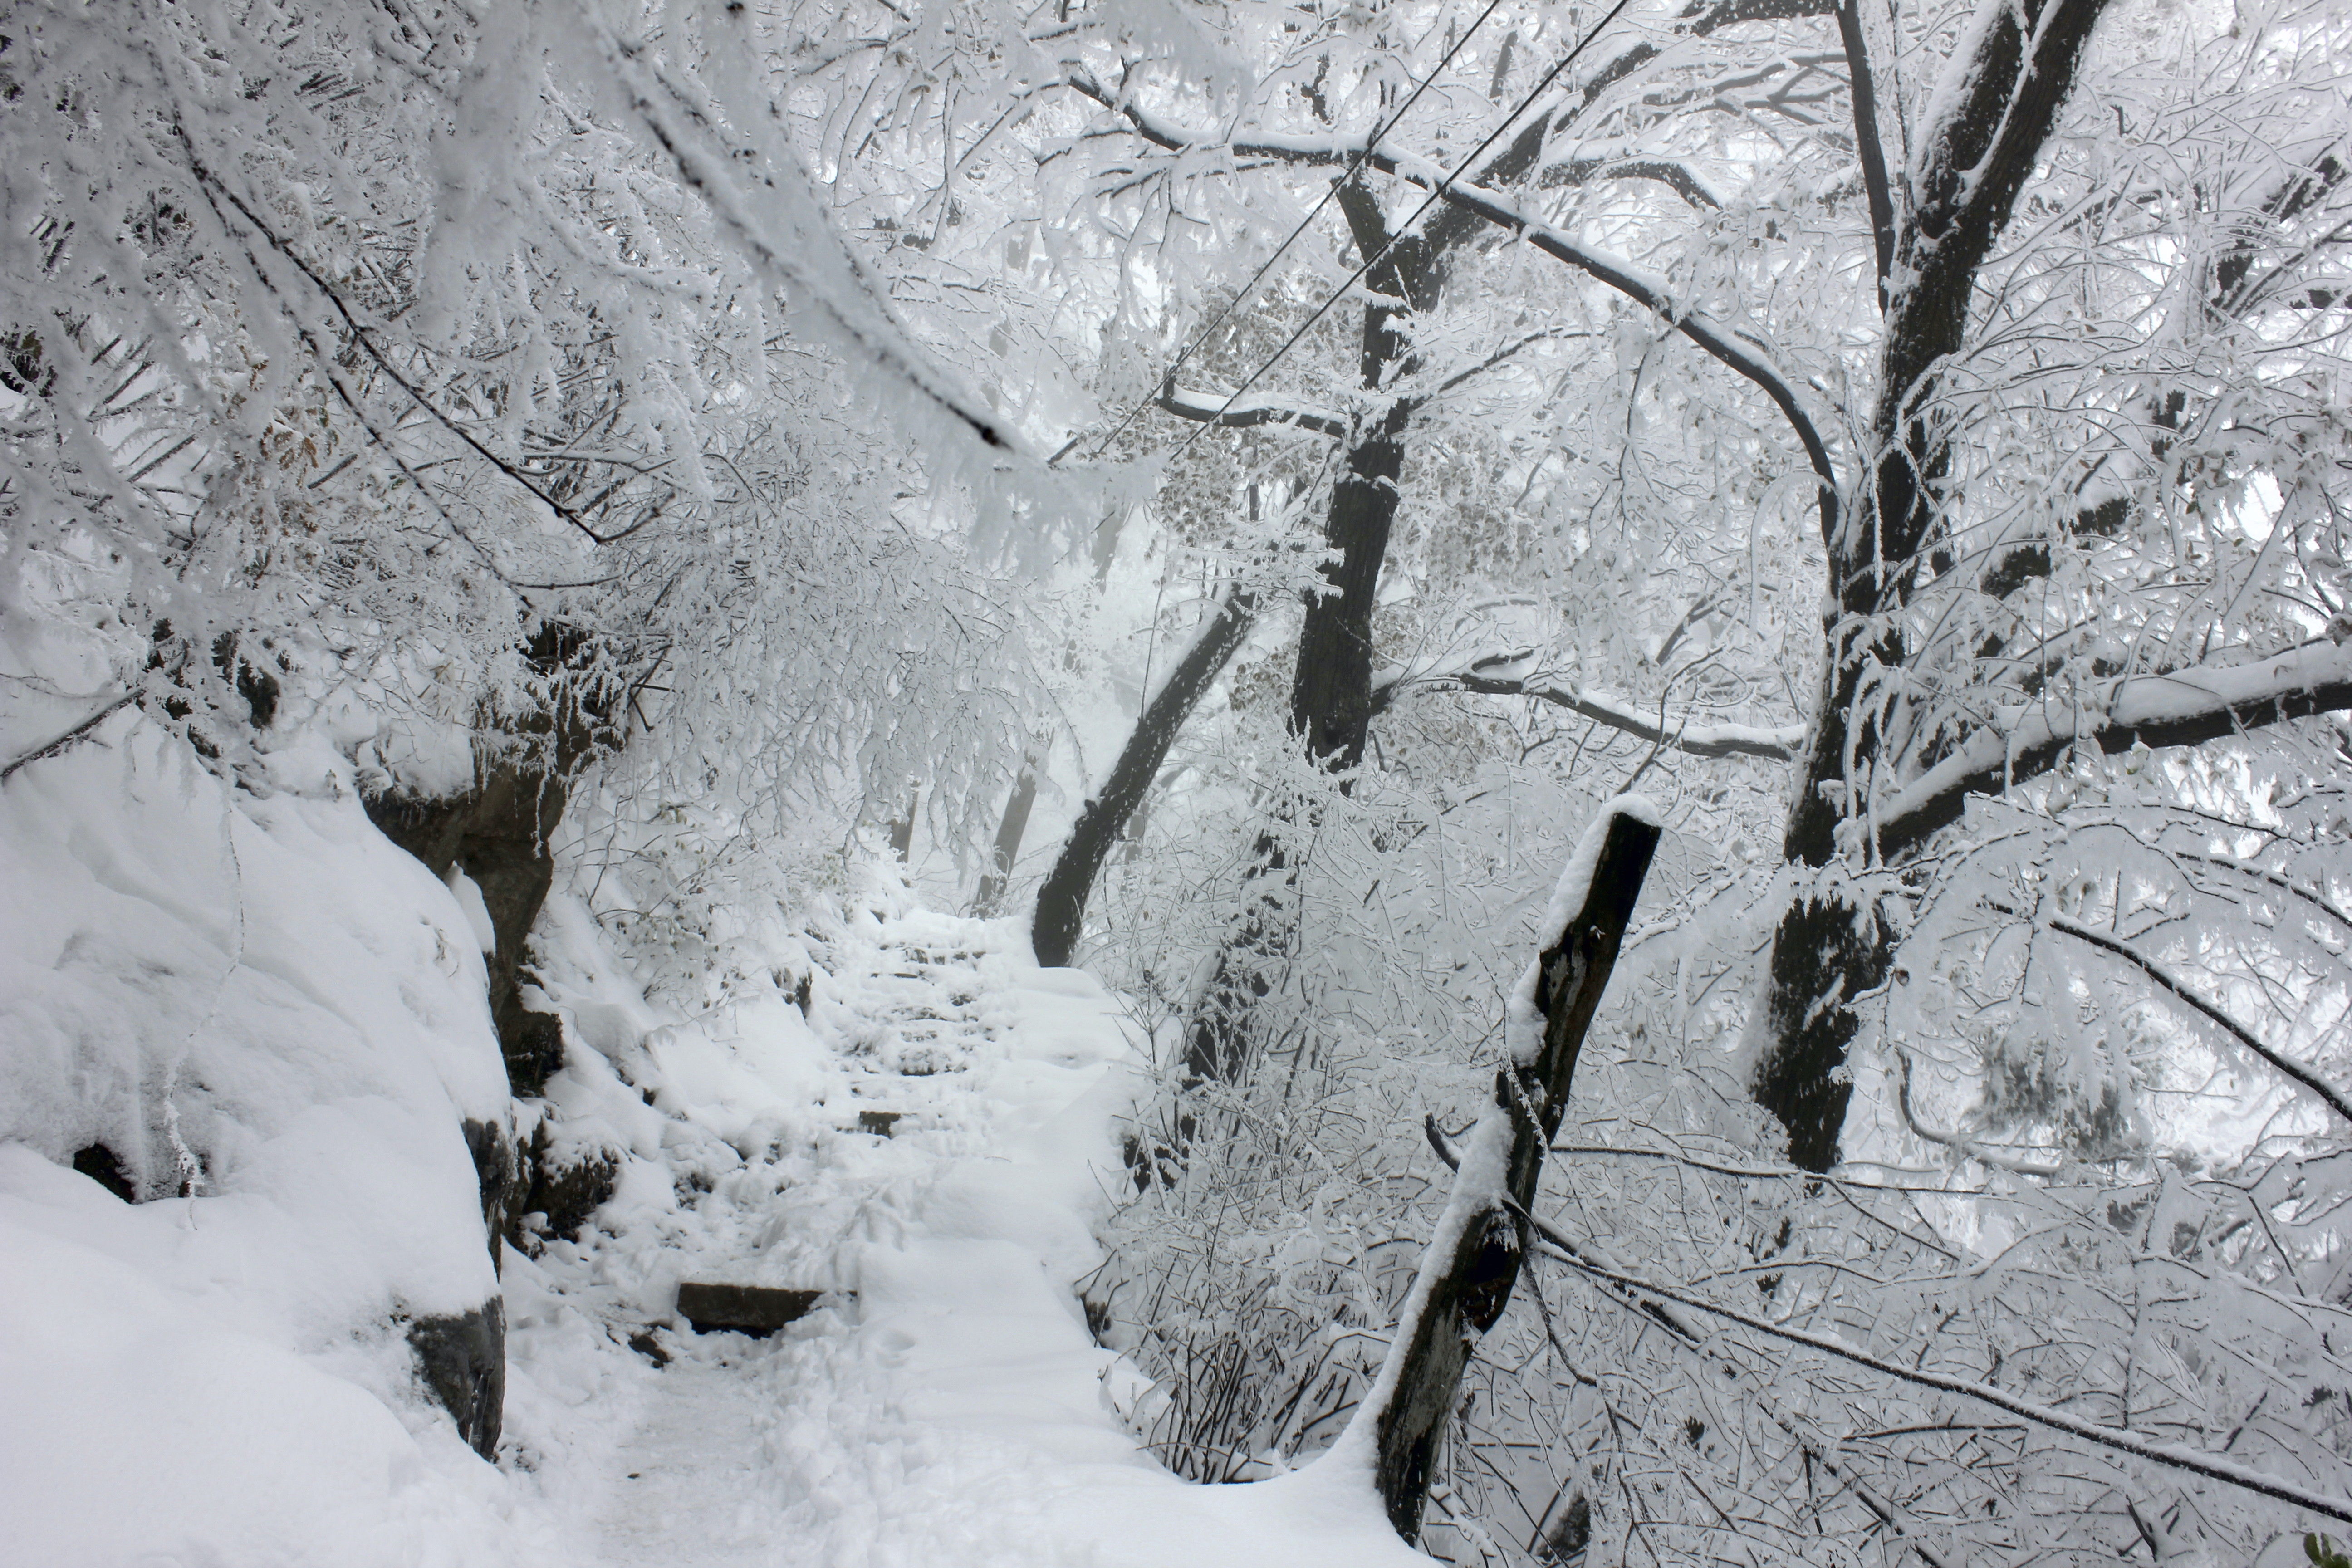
{"points": [[1168, 784]]}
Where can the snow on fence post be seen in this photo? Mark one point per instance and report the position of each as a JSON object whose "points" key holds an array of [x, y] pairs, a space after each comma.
{"points": [[1472, 1258]]}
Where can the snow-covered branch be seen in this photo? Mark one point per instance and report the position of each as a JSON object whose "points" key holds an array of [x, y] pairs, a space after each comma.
{"points": [[2213, 1466], [1740, 353], [1227, 412], [1514, 674], [2338, 1100], [2179, 708]]}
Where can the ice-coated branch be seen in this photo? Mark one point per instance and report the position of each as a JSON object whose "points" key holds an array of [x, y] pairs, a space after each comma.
{"points": [[1863, 90], [2179, 708], [1504, 675], [2338, 1100], [810, 261], [65, 742], [215, 188], [2171, 1455], [1223, 410], [1682, 1333], [1999, 1160], [1742, 355]]}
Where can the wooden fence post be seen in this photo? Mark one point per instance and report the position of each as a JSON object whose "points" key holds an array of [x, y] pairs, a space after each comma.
{"points": [[1473, 1260]]}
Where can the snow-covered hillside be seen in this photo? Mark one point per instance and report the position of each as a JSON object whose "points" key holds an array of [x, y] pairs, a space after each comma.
{"points": [[273, 1019]]}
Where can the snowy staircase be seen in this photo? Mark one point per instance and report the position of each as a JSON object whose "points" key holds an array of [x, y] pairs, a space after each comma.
{"points": [[941, 1402]]}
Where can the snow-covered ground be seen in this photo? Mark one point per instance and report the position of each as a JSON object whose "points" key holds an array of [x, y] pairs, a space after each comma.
{"points": [[952, 1406], [221, 1378]]}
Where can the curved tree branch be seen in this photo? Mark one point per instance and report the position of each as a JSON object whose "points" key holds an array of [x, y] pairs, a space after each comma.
{"points": [[1743, 355], [2338, 1100], [2180, 708], [1219, 409]]}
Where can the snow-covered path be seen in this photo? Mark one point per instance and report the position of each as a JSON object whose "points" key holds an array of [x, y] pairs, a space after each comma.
{"points": [[951, 1412]]}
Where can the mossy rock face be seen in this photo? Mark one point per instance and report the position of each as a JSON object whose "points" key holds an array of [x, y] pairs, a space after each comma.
{"points": [[462, 1360]]}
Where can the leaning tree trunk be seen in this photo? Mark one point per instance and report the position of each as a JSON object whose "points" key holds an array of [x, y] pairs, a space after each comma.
{"points": [[1010, 831], [1833, 947], [1062, 900], [1474, 1257]]}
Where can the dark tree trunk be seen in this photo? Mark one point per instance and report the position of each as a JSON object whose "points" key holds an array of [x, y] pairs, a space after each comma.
{"points": [[1465, 1291], [1331, 692], [902, 828], [1830, 950], [1331, 685], [1062, 900]]}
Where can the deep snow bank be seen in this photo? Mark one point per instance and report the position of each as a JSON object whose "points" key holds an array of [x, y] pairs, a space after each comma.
{"points": [[272, 1022]]}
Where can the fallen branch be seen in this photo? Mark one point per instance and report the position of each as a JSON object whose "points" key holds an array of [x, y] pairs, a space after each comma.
{"points": [[78, 732]]}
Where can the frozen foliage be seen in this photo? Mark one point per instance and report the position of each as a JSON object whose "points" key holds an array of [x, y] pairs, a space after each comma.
{"points": [[392, 391], [352, 348]]}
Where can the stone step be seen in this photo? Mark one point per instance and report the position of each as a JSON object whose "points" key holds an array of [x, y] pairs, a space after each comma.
{"points": [[754, 1310]]}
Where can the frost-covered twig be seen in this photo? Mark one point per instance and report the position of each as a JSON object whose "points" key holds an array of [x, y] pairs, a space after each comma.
{"points": [[2168, 1453], [2338, 1100], [1511, 674], [1997, 1159]]}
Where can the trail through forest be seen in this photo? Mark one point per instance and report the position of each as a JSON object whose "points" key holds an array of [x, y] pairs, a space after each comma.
{"points": [[947, 1403]]}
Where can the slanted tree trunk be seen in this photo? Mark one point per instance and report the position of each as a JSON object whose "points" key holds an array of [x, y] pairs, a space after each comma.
{"points": [[1833, 947], [1062, 900], [1009, 834], [1472, 1261], [902, 826]]}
